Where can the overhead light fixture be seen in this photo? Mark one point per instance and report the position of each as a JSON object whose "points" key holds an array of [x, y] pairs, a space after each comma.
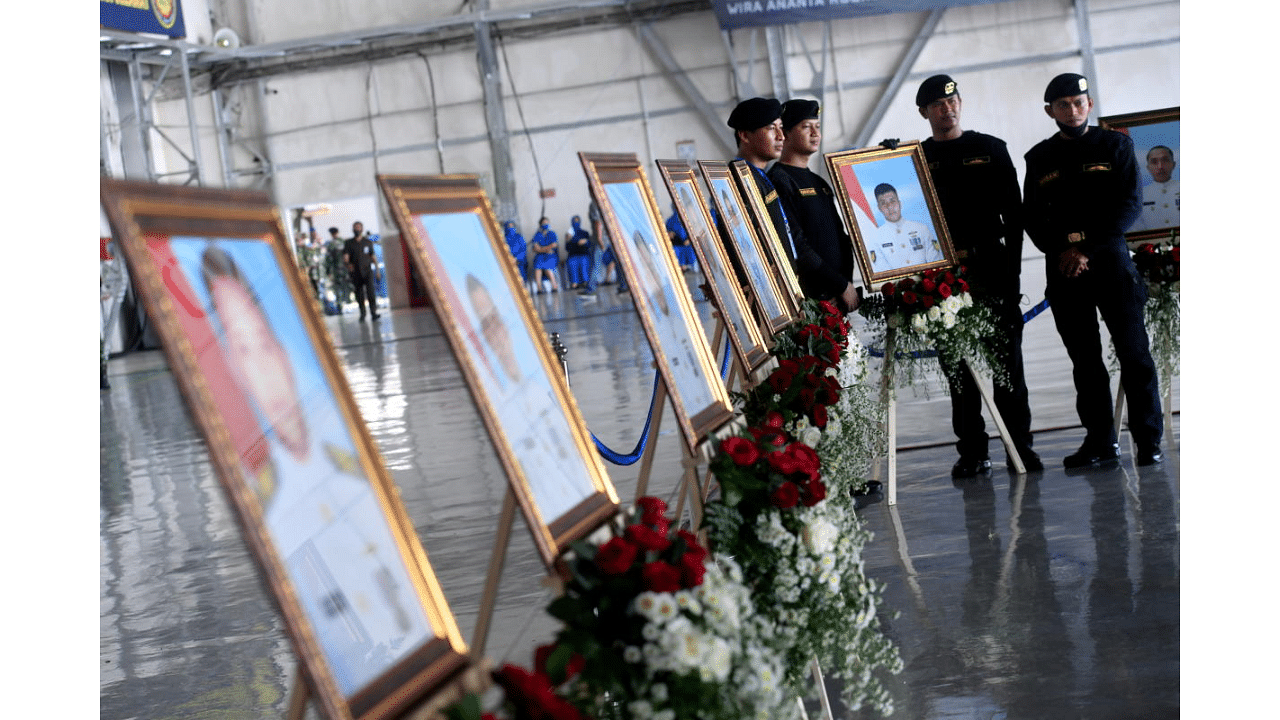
{"points": [[226, 39]]}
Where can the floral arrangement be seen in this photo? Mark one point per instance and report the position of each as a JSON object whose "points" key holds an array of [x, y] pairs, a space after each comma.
{"points": [[1160, 266], [935, 311], [528, 695], [665, 630], [785, 507]]}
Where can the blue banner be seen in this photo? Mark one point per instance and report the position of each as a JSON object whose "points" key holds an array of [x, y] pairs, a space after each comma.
{"points": [[734, 14], [163, 17]]}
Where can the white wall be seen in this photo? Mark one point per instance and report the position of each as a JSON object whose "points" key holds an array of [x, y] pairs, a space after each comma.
{"points": [[598, 89]]}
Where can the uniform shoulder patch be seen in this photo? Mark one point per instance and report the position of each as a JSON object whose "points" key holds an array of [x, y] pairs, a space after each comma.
{"points": [[980, 160], [808, 191], [1097, 167], [773, 195], [1049, 177]]}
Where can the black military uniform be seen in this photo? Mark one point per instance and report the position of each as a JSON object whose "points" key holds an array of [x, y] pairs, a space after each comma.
{"points": [[754, 114], [363, 265], [1082, 192], [977, 186], [824, 258]]}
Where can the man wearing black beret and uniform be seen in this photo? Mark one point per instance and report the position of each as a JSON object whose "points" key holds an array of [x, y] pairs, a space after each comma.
{"points": [[977, 187], [1080, 196], [757, 128], [824, 262]]}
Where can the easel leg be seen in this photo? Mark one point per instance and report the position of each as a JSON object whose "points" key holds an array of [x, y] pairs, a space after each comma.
{"points": [[1012, 452], [1168, 408], [506, 520], [298, 697], [646, 462], [822, 689], [888, 398]]}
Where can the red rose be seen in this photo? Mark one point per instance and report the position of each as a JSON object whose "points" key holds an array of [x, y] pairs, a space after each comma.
{"points": [[784, 462], [773, 420], [1147, 249], [829, 307], [819, 415], [653, 510], [647, 538], [806, 458], [887, 288], [525, 689], [964, 286], [543, 653], [742, 450], [927, 300], [786, 496], [691, 544], [615, 557], [691, 570], [928, 284], [833, 355], [808, 397], [660, 576], [906, 284], [950, 278], [945, 290], [814, 492], [908, 298], [1174, 253], [767, 439]]}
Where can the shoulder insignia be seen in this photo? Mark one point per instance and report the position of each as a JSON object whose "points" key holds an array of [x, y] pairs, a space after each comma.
{"points": [[1049, 177], [1097, 167], [983, 160], [808, 191], [773, 195], [343, 460]]}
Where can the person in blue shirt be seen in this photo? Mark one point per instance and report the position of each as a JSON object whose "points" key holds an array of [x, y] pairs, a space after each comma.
{"points": [[546, 246], [680, 242], [578, 248], [515, 242]]}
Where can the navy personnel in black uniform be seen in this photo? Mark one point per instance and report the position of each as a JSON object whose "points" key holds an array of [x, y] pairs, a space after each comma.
{"points": [[824, 263], [1080, 196], [362, 265], [757, 127], [977, 187]]}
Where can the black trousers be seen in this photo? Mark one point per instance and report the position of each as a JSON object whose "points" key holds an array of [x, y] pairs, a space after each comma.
{"points": [[365, 286], [1011, 401], [1118, 295]]}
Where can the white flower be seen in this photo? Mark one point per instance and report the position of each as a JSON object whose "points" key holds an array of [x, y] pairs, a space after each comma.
{"points": [[667, 714], [918, 322], [948, 320], [802, 422], [641, 709], [819, 536], [812, 435], [632, 654], [659, 692], [934, 313], [651, 632]]}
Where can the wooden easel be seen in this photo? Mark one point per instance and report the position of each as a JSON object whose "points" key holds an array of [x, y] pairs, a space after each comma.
{"points": [[888, 399], [474, 678], [1166, 401]]}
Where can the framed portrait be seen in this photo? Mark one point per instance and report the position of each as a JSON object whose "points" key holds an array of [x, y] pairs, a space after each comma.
{"points": [[774, 252], [1157, 147], [891, 210], [680, 348], [321, 516], [743, 329], [770, 299], [519, 387]]}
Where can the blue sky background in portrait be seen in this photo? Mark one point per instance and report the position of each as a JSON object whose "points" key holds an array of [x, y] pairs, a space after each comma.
{"points": [[1146, 137]]}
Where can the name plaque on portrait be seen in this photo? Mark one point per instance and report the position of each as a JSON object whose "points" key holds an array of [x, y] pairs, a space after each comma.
{"points": [[370, 626]]}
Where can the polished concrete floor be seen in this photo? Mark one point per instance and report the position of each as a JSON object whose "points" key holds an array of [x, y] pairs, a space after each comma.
{"points": [[1042, 596]]}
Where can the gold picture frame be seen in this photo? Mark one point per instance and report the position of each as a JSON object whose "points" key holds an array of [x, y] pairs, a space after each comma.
{"points": [[773, 245], [518, 385], [742, 326], [370, 626], [770, 301], [680, 348], [891, 249], [1157, 144]]}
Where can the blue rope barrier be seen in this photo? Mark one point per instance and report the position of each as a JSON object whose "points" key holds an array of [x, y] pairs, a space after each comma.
{"points": [[724, 364], [1027, 317], [619, 459]]}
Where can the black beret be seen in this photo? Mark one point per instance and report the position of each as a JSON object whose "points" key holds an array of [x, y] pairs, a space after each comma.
{"points": [[795, 112], [1066, 85], [935, 88], [755, 113]]}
